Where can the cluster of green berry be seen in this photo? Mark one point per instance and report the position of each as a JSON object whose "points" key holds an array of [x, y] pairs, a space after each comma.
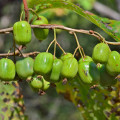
{"points": [[45, 68], [24, 67], [22, 31], [44, 65], [108, 64], [102, 68]]}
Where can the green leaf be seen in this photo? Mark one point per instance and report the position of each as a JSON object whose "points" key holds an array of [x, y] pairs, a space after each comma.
{"points": [[11, 103], [109, 28], [90, 102]]}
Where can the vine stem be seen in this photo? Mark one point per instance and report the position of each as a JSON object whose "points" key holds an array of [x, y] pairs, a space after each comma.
{"points": [[30, 9], [50, 45], [76, 50], [102, 38], [55, 43], [21, 16], [54, 26], [61, 48], [83, 51], [9, 52], [17, 53], [14, 45], [26, 10], [78, 44]]}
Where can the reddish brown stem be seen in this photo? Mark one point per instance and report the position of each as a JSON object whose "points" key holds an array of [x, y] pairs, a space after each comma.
{"points": [[26, 10]]}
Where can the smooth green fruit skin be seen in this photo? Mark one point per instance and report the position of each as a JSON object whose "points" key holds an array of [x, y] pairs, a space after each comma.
{"points": [[40, 34], [66, 56], [22, 32], [86, 58], [56, 70], [24, 67], [88, 72], [70, 68], [101, 53], [105, 78], [43, 63], [7, 69], [39, 84], [46, 84], [36, 83], [113, 64]]}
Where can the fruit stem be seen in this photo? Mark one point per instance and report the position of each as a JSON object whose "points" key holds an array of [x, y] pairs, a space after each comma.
{"points": [[19, 51], [61, 48], [83, 51], [101, 37], [21, 15], [32, 19], [78, 44], [75, 51], [55, 43], [50, 45], [9, 52], [30, 9], [14, 50]]}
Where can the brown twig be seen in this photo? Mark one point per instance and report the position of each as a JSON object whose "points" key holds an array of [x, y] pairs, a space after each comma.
{"points": [[54, 26], [12, 54], [30, 54], [17, 53], [6, 31]]}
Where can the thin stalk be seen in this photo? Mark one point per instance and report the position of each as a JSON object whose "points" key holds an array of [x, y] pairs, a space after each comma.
{"points": [[83, 51], [61, 48], [21, 16], [32, 19], [30, 9], [55, 43], [75, 51], [78, 44], [19, 51], [50, 45], [9, 51], [101, 37], [14, 46]]}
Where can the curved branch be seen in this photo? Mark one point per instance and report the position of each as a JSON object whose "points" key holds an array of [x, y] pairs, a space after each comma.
{"points": [[54, 26]]}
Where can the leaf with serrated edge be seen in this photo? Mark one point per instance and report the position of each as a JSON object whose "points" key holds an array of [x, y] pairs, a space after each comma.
{"points": [[41, 5]]}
